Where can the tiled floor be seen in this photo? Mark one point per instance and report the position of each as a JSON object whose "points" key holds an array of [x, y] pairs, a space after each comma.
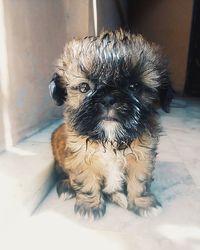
{"points": [[26, 175], [177, 186]]}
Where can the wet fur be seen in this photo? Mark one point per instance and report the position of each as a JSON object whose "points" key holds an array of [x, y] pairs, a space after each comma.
{"points": [[94, 162]]}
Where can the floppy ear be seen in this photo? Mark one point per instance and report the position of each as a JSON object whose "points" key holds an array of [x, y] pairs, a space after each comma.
{"points": [[166, 92], [57, 92]]}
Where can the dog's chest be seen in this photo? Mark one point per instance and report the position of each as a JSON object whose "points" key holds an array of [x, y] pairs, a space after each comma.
{"points": [[111, 167]]}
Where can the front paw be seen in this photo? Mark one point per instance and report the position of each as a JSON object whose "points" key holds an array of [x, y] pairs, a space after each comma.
{"points": [[118, 198], [88, 209], [145, 206]]}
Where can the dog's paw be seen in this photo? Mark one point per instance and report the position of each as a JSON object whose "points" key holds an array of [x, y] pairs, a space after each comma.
{"points": [[64, 190], [88, 211], [146, 206], [148, 211], [119, 198]]}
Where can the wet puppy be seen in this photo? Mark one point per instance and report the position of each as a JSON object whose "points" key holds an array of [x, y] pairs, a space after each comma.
{"points": [[107, 146]]}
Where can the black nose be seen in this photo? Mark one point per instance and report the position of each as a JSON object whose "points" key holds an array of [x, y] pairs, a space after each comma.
{"points": [[108, 100]]}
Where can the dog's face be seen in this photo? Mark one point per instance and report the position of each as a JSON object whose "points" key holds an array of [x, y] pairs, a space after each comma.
{"points": [[108, 84]]}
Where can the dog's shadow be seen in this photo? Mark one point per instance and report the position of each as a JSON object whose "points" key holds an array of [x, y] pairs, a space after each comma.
{"points": [[171, 179]]}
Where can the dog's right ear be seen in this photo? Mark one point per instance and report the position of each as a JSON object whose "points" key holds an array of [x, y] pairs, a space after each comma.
{"points": [[57, 92]]}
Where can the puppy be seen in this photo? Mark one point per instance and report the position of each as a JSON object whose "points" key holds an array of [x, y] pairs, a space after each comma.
{"points": [[106, 148]]}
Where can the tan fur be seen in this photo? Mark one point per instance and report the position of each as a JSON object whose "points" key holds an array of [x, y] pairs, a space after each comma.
{"points": [[93, 168], [139, 173]]}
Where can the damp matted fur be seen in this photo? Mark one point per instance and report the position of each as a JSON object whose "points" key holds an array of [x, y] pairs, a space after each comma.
{"points": [[106, 148]]}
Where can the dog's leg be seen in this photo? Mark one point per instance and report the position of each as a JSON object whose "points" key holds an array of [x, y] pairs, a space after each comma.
{"points": [[89, 198], [139, 177]]}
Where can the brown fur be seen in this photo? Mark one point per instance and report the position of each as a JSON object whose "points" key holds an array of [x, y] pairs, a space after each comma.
{"points": [[85, 164]]}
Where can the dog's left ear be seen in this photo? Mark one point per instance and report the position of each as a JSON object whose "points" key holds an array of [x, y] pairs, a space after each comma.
{"points": [[166, 92], [57, 92]]}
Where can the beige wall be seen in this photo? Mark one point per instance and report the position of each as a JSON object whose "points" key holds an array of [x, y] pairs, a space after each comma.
{"points": [[168, 23], [111, 14], [78, 18], [2, 141], [36, 31]]}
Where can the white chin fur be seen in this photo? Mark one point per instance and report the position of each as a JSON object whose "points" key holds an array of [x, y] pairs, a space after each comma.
{"points": [[110, 129]]}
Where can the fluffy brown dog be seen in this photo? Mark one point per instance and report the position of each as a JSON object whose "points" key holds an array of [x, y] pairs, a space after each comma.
{"points": [[107, 146]]}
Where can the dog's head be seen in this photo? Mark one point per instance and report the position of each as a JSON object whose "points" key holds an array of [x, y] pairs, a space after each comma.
{"points": [[108, 84]]}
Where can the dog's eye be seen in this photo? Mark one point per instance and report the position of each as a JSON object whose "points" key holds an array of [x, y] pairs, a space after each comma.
{"points": [[84, 87], [133, 86]]}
